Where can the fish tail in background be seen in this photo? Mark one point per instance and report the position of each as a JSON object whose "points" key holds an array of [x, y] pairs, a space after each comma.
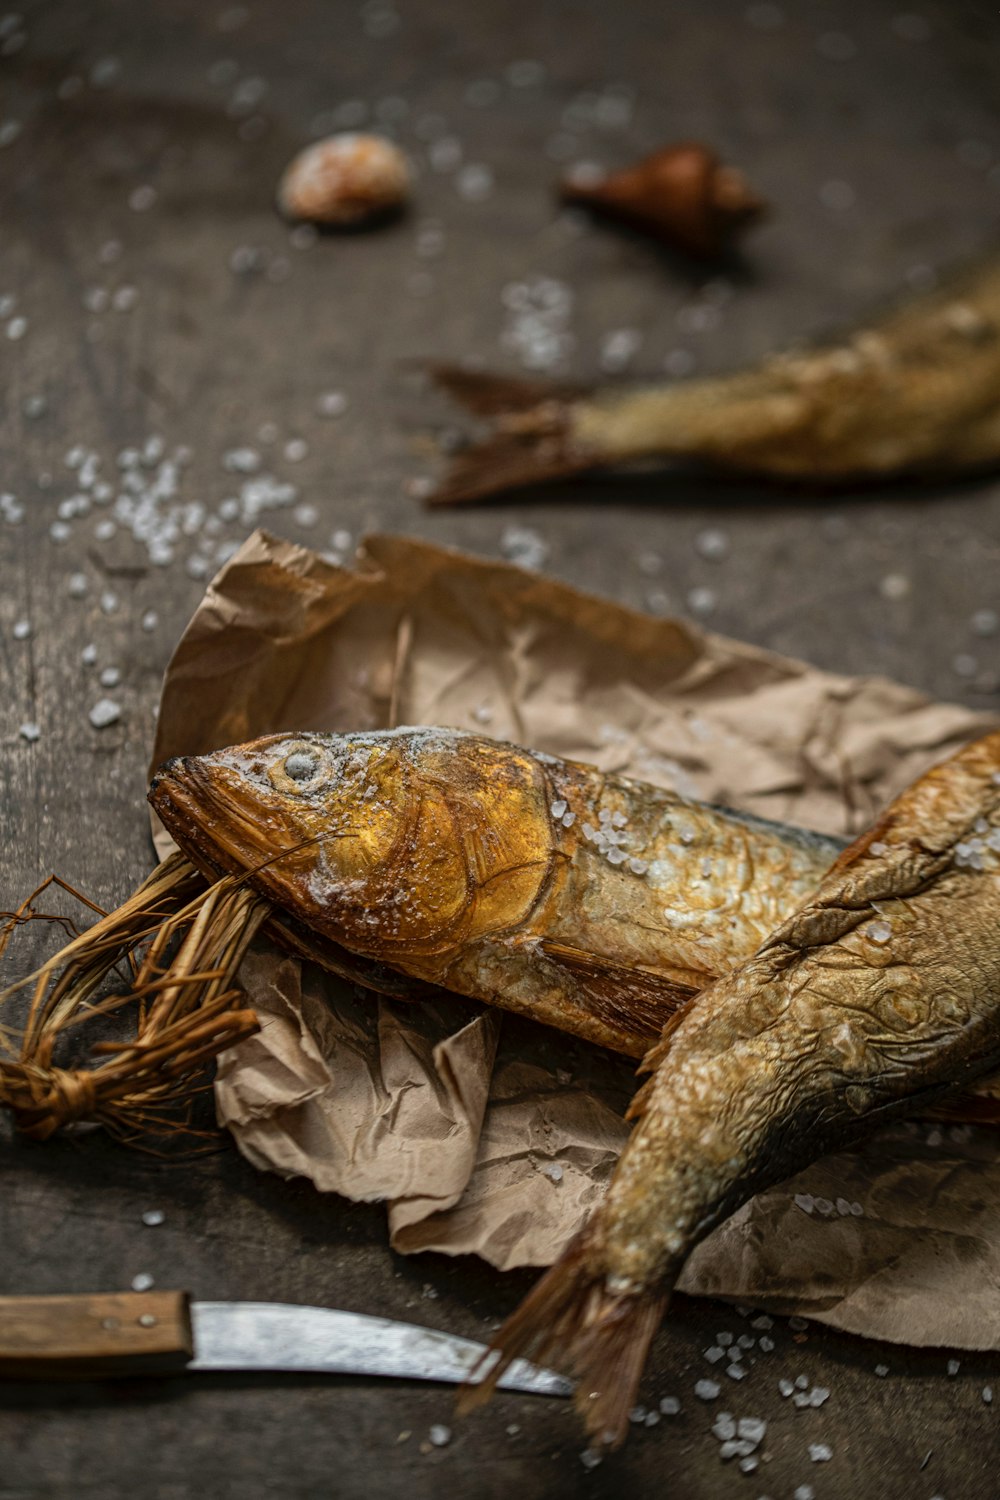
{"points": [[526, 444], [573, 1320]]}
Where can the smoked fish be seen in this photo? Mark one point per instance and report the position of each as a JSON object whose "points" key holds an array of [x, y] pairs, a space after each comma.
{"points": [[588, 901], [875, 998], [916, 392]]}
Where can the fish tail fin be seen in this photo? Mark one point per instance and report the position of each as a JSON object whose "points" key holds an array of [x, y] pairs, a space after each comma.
{"points": [[527, 441], [572, 1319]]}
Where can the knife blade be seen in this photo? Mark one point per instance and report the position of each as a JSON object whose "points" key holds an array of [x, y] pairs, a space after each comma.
{"points": [[127, 1333]]}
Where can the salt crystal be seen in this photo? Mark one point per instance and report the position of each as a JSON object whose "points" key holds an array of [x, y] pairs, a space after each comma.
{"points": [[706, 1390], [153, 1216], [801, 1400], [765, 1344], [701, 601], [736, 1372], [785, 1387], [801, 1382], [712, 544], [589, 1458], [104, 713], [331, 404], [670, 1406], [296, 450], [878, 932], [439, 1435], [143, 1282], [804, 1492], [824, 1206], [30, 731], [142, 198], [877, 848], [749, 1464], [110, 677], [805, 1201], [818, 1395], [637, 1414], [763, 1322], [988, 1394], [714, 1354], [725, 1339], [820, 1453], [751, 1428], [724, 1426], [17, 328], [953, 1366], [558, 808], [21, 630], [881, 1371], [88, 655], [109, 602]]}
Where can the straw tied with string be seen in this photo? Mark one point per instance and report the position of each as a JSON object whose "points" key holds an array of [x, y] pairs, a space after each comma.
{"points": [[183, 943]]}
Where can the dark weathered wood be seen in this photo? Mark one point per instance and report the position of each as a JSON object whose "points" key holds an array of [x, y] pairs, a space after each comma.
{"points": [[94, 1335], [203, 359]]}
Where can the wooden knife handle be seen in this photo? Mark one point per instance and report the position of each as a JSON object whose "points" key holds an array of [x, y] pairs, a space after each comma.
{"points": [[88, 1337]]}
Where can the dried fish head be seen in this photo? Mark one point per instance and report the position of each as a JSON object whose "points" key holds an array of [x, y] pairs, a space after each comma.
{"points": [[396, 844]]}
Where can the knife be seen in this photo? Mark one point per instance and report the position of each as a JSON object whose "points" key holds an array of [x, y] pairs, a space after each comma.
{"points": [[140, 1333]]}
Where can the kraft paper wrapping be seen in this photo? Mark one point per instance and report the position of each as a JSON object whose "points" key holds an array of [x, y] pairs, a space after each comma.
{"points": [[488, 1135]]}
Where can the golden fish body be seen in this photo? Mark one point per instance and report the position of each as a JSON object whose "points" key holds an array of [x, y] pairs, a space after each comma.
{"points": [[879, 995], [588, 901]]}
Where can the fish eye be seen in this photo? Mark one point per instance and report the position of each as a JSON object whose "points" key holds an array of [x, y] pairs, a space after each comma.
{"points": [[302, 768]]}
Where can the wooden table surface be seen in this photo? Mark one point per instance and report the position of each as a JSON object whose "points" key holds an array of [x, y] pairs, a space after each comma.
{"points": [[151, 299]]}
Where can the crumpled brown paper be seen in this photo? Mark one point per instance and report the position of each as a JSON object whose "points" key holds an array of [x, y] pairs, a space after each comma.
{"points": [[491, 1135]]}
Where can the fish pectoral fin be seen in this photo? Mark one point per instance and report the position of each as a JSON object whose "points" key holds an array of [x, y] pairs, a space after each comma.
{"points": [[626, 996]]}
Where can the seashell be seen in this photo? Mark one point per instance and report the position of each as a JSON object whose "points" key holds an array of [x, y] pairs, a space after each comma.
{"points": [[682, 195], [346, 180]]}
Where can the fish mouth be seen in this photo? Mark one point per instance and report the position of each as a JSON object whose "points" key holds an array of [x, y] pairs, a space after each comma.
{"points": [[205, 822]]}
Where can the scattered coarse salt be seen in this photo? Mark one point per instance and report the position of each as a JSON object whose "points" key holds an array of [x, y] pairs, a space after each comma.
{"points": [[805, 1201], [152, 1217], [988, 1394], [765, 1345], [439, 1435], [878, 932], [801, 1383], [881, 1371], [589, 1458], [752, 1429], [21, 630], [670, 1406], [953, 1366], [818, 1395], [707, 1390], [714, 1354], [820, 1453], [104, 713], [785, 1387], [30, 731], [143, 1282], [558, 808], [736, 1372]]}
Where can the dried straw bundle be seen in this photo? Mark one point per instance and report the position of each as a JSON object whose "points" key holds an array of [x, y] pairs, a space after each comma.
{"points": [[183, 942]]}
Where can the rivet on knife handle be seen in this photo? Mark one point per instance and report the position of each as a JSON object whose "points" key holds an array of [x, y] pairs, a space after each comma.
{"points": [[68, 1338]]}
